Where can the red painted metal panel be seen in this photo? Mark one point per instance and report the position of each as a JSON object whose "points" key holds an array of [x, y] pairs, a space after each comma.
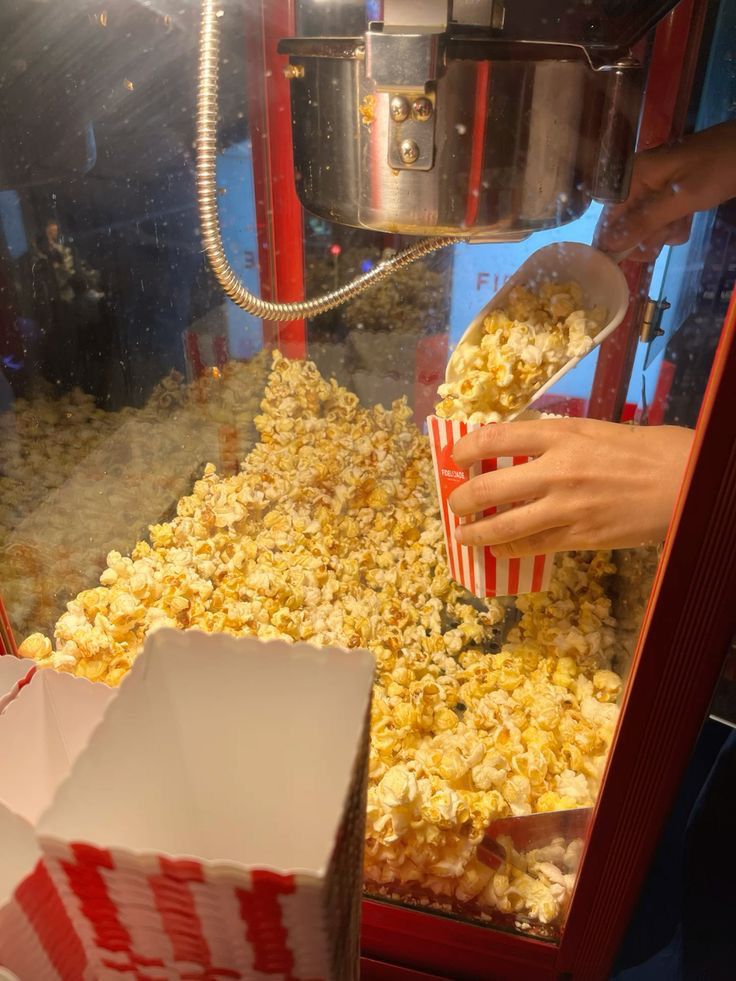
{"points": [[371, 970], [616, 356], [448, 947], [7, 640], [288, 224], [659, 402], [256, 102], [479, 142], [689, 624], [675, 57], [193, 353]]}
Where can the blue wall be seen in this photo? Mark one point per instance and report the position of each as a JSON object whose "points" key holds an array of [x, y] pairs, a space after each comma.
{"points": [[239, 235], [11, 219]]}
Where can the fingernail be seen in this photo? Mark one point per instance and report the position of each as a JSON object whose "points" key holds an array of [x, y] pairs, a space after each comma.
{"points": [[460, 534], [500, 551]]}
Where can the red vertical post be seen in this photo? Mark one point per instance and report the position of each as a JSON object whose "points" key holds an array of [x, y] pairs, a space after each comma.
{"points": [[194, 354], [220, 348], [664, 384], [278, 211], [669, 84], [7, 640], [617, 354]]}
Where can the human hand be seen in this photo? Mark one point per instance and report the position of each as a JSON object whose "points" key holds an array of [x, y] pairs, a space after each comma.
{"points": [[668, 186], [590, 485]]}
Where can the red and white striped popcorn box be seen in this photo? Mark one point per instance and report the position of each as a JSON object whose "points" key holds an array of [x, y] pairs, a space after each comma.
{"points": [[477, 569], [214, 825], [42, 731], [21, 952]]}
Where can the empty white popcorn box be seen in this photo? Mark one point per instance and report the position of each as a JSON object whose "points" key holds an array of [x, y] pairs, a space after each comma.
{"points": [[214, 825], [14, 673], [476, 568]]}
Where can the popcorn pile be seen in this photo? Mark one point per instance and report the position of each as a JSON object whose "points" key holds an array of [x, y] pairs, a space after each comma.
{"points": [[532, 729], [522, 348], [42, 440], [635, 572], [330, 533], [78, 482]]}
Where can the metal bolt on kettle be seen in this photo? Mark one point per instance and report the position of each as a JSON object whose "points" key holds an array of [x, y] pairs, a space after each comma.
{"points": [[456, 119]]}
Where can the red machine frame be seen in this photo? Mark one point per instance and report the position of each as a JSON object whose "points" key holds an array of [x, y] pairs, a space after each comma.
{"points": [[689, 621], [669, 84]]}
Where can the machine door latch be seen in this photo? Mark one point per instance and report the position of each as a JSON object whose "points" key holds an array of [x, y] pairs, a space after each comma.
{"points": [[651, 320]]}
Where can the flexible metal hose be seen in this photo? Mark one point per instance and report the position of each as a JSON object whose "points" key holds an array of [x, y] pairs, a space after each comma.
{"points": [[209, 50]]}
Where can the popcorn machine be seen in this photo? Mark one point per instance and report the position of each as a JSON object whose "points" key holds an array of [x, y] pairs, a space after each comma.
{"points": [[454, 119], [173, 458]]}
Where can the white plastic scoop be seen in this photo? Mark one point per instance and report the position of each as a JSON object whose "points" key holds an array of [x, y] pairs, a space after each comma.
{"points": [[602, 282], [530, 831]]}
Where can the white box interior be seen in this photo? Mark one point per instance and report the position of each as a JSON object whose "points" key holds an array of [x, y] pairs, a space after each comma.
{"points": [[19, 853], [12, 670], [42, 731], [227, 749]]}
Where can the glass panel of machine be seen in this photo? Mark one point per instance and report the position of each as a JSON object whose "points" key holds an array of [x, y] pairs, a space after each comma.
{"points": [[163, 464]]}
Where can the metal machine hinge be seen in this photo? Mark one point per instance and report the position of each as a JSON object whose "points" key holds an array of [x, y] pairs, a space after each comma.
{"points": [[650, 326]]}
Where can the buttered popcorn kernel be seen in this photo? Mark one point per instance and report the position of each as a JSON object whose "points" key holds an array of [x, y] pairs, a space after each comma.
{"points": [[330, 533], [522, 347]]}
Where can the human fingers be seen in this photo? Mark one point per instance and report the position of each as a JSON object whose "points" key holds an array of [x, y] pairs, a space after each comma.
{"points": [[645, 219], [609, 220], [506, 486], [506, 439], [653, 170], [511, 525], [552, 540], [676, 233], [679, 231]]}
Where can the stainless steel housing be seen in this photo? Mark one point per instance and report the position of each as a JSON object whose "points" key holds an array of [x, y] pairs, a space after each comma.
{"points": [[509, 146]]}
